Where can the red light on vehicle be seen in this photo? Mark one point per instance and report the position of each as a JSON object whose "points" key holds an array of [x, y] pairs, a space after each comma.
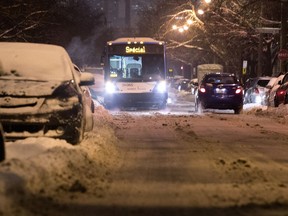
{"points": [[202, 89], [281, 92], [256, 91], [238, 91]]}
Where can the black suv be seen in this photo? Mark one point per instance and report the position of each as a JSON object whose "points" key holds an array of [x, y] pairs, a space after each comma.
{"points": [[219, 91]]}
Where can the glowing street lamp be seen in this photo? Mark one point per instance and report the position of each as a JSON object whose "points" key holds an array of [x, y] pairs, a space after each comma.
{"points": [[200, 12], [189, 22]]}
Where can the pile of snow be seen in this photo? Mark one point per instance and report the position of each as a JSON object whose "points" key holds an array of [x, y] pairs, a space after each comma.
{"points": [[279, 114], [55, 168]]}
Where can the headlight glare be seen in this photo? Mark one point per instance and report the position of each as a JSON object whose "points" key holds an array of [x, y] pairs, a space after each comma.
{"points": [[110, 87], [161, 87]]}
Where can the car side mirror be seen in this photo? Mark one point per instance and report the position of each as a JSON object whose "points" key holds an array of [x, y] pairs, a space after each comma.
{"points": [[86, 79]]}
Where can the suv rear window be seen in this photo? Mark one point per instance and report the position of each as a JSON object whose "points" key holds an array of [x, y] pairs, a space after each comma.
{"points": [[263, 83], [221, 79]]}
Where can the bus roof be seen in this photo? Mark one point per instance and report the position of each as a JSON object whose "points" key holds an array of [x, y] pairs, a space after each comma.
{"points": [[141, 40]]}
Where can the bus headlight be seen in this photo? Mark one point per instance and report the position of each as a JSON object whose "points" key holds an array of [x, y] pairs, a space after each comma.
{"points": [[161, 87], [110, 87]]}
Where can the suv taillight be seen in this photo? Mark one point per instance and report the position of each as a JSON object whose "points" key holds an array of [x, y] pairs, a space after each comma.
{"points": [[238, 91], [256, 90], [202, 89]]}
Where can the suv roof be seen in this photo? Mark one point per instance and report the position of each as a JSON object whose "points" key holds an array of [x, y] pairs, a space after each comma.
{"points": [[218, 74]]}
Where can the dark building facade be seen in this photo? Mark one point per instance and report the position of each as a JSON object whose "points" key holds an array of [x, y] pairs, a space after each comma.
{"points": [[122, 16]]}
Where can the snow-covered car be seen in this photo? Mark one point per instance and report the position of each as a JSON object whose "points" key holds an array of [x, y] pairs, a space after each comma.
{"points": [[40, 93], [281, 95], [219, 91], [193, 85], [2, 144], [86, 92], [273, 85], [256, 91]]}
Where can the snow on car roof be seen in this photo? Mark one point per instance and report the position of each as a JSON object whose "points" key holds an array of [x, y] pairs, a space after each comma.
{"points": [[36, 61]]}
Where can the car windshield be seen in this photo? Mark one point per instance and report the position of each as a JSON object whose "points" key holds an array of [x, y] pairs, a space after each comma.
{"points": [[30, 64], [221, 79], [142, 67]]}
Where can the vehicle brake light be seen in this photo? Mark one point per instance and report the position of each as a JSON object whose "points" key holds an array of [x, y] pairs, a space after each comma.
{"points": [[238, 90], [202, 89], [256, 90]]}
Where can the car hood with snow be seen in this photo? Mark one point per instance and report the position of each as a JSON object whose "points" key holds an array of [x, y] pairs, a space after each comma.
{"points": [[28, 88]]}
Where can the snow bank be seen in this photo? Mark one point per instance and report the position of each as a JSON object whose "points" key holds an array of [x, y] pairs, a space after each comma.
{"points": [[54, 169]]}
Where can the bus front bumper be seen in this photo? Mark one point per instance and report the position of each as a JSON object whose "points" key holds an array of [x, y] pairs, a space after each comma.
{"points": [[137, 100]]}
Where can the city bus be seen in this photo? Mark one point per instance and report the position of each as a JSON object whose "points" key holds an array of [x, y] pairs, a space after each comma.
{"points": [[135, 73]]}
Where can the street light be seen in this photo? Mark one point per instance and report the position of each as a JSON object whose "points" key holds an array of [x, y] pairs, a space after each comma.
{"points": [[189, 17], [189, 22], [200, 11]]}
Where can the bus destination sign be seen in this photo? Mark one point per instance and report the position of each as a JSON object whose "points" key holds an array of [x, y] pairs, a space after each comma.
{"points": [[136, 49], [132, 50]]}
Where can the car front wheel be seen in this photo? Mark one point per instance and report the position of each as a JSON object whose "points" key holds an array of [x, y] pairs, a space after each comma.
{"points": [[276, 102], [238, 110], [2, 145]]}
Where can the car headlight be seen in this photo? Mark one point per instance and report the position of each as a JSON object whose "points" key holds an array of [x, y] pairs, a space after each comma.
{"points": [[161, 87], [110, 87], [65, 96]]}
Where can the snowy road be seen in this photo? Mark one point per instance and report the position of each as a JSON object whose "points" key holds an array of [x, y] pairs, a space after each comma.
{"points": [[155, 163], [210, 165]]}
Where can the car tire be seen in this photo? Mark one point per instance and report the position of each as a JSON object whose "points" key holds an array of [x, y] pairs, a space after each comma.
{"points": [[276, 102], [286, 99], [76, 131], [238, 110], [78, 136], [162, 106], [2, 145]]}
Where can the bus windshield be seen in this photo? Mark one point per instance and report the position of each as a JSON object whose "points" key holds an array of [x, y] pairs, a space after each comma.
{"points": [[136, 67]]}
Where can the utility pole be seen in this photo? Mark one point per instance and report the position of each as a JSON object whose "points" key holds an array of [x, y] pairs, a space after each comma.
{"points": [[260, 47]]}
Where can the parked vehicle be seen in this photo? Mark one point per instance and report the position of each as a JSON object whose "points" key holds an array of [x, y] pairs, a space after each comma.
{"points": [[273, 85], [255, 90], [40, 93], [174, 82], [194, 85], [183, 85], [2, 144], [86, 92], [281, 96], [219, 91]]}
